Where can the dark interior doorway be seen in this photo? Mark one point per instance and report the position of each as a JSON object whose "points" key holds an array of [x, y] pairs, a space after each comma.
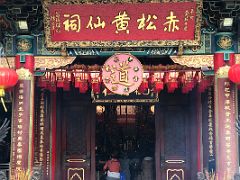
{"points": [[129, 130]]}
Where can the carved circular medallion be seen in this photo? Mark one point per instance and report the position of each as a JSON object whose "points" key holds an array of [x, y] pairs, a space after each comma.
{"points": [[225, 42], [24, 45], [122, 74]]}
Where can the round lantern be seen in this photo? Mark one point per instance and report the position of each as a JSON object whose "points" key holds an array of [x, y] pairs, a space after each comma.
{"points": [[234, 73], [8, 78]]}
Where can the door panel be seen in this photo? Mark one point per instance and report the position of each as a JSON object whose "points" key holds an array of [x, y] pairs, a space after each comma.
{"points": [[77, 150], [174, 156], [77, 122]]}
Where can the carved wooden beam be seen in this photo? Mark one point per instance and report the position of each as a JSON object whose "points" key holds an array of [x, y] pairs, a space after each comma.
{"points": [[48, 62]]}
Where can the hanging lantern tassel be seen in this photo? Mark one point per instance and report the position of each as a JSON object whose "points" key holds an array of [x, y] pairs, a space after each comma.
{"points": [[2, 94]]}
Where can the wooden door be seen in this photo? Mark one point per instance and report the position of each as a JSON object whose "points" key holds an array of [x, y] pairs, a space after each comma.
{"points": [[78, 143], [173, 136]]}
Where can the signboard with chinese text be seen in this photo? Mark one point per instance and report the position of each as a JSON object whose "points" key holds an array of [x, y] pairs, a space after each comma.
{"points": [[151, 24], [133, 98], [122, 74]]}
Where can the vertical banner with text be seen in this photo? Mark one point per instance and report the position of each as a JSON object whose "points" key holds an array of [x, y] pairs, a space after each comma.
{"points": [[22, 128], [42, 134], [226, 134]]}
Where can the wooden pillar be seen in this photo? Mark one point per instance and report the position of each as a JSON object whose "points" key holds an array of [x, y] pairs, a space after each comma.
{"points": [[23, 107], [225, 109]]}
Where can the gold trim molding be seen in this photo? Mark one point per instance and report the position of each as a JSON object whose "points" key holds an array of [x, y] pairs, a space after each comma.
{"points": [[155, 43], [76, 160], [48, 62], [171, 161]]}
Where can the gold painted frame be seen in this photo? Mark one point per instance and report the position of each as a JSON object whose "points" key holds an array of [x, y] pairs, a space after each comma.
{"points": [[108, 44]]}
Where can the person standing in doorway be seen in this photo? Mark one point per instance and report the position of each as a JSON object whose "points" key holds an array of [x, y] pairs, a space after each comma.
{"points": [[112, 166]]}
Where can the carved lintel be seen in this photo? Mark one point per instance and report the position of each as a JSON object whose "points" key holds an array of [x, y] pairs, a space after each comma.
{"points": [[48, 62], [195, 61]]}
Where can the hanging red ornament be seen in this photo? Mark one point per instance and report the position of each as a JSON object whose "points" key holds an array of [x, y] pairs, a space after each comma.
{"points": [[234, 73], [172, 82], [158, 86], [52, 83], [8, 79], [96, 80], [143, 87], [83, 86]]}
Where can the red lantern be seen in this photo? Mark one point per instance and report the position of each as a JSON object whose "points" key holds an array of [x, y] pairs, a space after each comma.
{"points": [[143, 88], [172, 82], [52, 83], [83, 86], [96, 80], [156, 81], [234, 73], [8, 78], [158, 86], [172, 86]]}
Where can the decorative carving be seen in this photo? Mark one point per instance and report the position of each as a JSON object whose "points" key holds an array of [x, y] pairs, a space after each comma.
{"points": [[48, 62], [225, 42], [37, 173], [212, 10], [222, 72], [196, 61], [24, 45], [173, 174], [76, 173], [4, 130], [30, 10], [161, 51], [24, 74], [169, 43], [51, 62], [3, 175], [237, 58]]}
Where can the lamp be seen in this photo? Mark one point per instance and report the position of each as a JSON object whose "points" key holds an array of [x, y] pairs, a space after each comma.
{"points": [[100, 109], [226, 24], [22, 26]]}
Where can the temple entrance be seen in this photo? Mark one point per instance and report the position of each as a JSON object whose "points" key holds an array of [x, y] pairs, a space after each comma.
{"points": [[153, 142], [128, 130]]}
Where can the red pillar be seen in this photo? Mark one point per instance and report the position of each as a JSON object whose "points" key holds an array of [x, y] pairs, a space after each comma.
{"points": [[23, 110], [225, 109]]}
